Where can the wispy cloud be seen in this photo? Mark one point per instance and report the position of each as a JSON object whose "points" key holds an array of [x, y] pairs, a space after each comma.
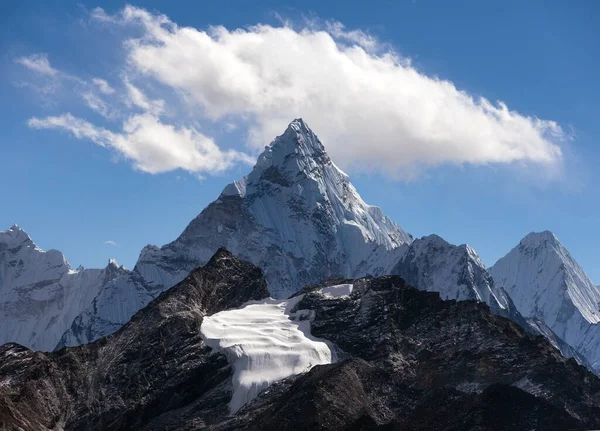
{"points": [[371, 107], [103, 86], [38, 63], [110, 242], [150, 144]]}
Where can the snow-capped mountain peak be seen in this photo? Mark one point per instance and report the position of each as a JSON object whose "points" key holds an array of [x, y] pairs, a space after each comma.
{"points": [[295, 215], [456, 272], [40, 294], [546, 282], [296, 153], [296, 171], [15, 237], [112, 263]]}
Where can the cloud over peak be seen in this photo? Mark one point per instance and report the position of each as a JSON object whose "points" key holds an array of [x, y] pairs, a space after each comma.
{"points": [[372, 109]]}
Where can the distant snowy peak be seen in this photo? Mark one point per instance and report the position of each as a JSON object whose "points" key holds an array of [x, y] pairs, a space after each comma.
{"points": [[15, 240], [432, 264], [14, 237], [23, 263], [40, 294], [290, 159], [296, 154], [546, 282]]}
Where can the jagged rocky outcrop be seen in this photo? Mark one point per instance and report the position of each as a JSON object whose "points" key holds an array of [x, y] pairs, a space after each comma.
{"points": [[406, 360], [296, 216], [155, 364], [548, 285], [40, 294]]}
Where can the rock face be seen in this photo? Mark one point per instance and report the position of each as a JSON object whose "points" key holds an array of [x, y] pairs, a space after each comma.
{"points": [[406, 360], [154, 364], [548, 285], [296, 216], [40, 294]]}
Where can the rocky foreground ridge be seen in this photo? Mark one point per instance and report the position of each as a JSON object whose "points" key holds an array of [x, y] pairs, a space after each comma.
{"points": [[406, 359]]}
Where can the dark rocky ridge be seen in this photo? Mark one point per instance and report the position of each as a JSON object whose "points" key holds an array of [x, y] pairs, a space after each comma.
{"points": [[410, 361], [156, 363]]}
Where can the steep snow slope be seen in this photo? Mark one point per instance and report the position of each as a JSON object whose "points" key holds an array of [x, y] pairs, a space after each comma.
{"points": [[546, 283], [456, 272], [40, 294], [266, 342], [296, 216]]}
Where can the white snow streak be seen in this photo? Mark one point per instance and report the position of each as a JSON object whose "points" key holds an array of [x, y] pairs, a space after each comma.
{"points": [[265, 342], [337, 291]]}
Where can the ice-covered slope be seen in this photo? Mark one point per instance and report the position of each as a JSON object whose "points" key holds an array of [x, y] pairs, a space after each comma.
{"points": [[546, 283], [266, 341], [40, 294], [296, 216], [456, 272]]}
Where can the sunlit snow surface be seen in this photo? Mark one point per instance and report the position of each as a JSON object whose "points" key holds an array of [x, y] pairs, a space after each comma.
{"points": [[337, 291], [265, 342]]}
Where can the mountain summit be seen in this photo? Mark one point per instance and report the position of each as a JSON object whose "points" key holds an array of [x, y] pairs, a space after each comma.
{"points": [[295, 215], [546, 283]]}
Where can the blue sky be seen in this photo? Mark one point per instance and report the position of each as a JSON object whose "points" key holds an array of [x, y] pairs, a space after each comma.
{"points": [[539, 58]]}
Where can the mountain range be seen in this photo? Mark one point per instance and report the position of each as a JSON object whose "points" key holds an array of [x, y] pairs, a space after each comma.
{"points": [[298, 218], [388, 357]]}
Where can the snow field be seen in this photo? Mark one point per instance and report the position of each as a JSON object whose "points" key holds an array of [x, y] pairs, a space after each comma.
{"points": [[265, 342]]}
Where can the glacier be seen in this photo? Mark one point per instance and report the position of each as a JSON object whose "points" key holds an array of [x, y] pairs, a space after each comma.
{"points": [[265, 341]]}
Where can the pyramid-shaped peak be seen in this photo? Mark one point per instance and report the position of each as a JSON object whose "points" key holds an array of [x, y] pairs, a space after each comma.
{"points": [[296, 154], [536, 239], [297, 126], [298, 139]]}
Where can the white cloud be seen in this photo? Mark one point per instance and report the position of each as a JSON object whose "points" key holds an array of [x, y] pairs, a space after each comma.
{"points": [[103, 86], [151, 145], [135, 97], [110, 242], [371, 110], [38, 63], [95, 103], [371, 107], [358, 37]]}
